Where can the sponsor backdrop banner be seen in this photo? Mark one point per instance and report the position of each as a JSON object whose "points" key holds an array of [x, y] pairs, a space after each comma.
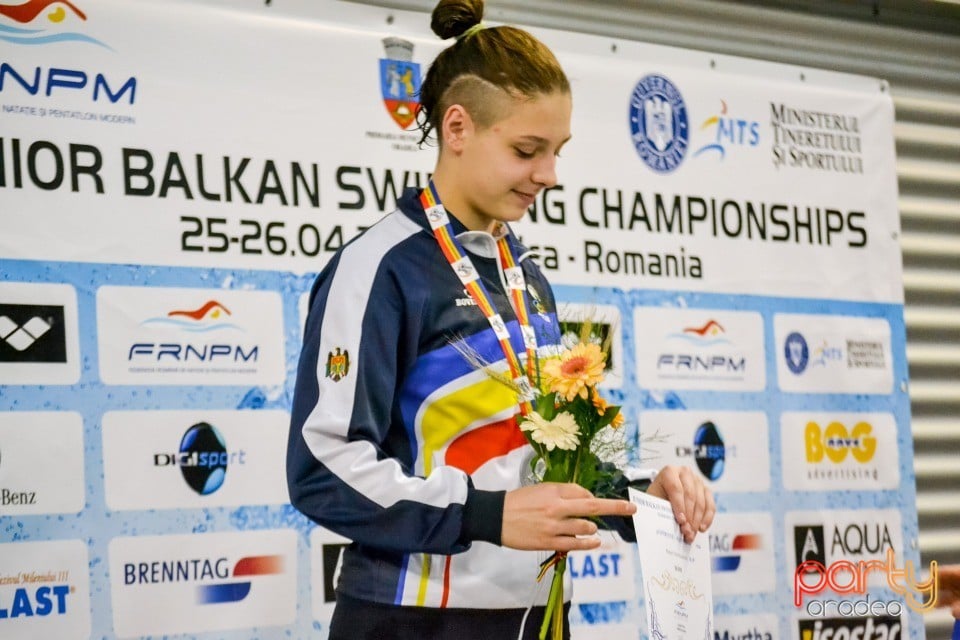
{"points": [[172, 177]]}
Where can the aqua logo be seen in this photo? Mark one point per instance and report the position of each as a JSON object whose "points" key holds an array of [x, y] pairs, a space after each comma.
{"points": [[809, 545], [658, 123]]}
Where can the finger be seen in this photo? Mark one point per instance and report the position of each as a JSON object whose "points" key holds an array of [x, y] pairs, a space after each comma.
{"points": [[700, 507], [572, 491], [673, 488], [576, 527], [710, 512], [597, 507], [571, 543], [691, 494]]}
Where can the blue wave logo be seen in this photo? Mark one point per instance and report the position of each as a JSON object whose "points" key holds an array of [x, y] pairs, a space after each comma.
{"points": [[710, 334], [212, 316], [51, 27]]}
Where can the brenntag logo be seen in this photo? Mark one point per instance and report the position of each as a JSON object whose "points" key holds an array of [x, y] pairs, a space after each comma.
{"points": [[839, 451], [171, 584], [699, 349], [194, 459], [741, 553], [190, 336], [38, 334]]}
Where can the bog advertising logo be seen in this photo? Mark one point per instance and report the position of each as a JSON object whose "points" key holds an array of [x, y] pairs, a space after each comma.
{"points": [[729, 448], [400, 81], [840, 451], [41, 463], [38, 334], [658, 123], [44, 590], [189, 336], [223, 458], [699, 349], [833, 354], [173, 584]]}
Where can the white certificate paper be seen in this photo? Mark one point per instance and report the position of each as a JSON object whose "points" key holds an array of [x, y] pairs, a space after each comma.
{"points": [[676, 575]]}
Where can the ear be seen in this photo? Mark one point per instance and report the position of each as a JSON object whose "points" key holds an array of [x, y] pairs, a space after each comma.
{"points": [[456, 127]]}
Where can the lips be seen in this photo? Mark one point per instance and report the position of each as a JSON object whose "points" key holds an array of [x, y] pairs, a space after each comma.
{"points": [[527, 198]]}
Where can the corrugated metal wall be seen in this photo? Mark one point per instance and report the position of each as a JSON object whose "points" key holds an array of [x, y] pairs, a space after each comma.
{"points": [[916, 48]]}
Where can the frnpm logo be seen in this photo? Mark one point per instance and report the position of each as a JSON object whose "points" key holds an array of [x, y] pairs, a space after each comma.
{"points": [[209, 582], [154, 335], [44, 590]]}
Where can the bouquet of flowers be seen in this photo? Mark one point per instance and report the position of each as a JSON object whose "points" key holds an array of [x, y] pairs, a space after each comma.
{"points": [[569, 414], [572, 430]]}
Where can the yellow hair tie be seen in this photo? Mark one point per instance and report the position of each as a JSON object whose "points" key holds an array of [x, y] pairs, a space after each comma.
{"points": [[472, 30]]}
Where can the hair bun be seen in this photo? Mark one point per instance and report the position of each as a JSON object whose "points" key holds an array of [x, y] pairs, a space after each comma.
{"points": [[452, 18]]}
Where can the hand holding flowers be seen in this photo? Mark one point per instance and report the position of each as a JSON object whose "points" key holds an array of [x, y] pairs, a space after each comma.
{"points": [[568, 415]]}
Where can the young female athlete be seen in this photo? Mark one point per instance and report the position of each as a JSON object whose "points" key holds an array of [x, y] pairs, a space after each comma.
{"points": [[397, 442]]}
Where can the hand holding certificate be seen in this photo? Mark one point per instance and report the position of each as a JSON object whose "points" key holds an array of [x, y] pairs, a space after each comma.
{"points": [[676, 575]]}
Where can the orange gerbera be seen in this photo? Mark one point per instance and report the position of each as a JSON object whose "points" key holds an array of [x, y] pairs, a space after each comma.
{"points": [[574, 371], [601, 406]]}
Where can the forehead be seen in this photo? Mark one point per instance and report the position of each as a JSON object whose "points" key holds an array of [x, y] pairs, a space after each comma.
{"points": [[543, 117]]}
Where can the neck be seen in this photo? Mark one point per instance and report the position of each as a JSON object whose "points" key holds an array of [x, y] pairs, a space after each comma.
{"points": [[452, 197]]}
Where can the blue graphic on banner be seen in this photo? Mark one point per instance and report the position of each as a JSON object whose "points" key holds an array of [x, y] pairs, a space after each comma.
{"points": [[97, 525]]}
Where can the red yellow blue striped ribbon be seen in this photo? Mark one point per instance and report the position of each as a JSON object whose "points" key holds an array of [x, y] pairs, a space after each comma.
{"points": [[462, 265]]}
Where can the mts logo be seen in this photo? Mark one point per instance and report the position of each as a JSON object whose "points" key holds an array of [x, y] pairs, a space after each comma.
{"points": [[835, 442], [41, 601]]}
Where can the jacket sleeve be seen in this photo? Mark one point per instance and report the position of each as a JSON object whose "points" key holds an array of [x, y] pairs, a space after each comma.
{"points": [[359, 337]]}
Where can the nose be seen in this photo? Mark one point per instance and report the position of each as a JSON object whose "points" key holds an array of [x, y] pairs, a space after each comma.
{"points": [[545, 171]]}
